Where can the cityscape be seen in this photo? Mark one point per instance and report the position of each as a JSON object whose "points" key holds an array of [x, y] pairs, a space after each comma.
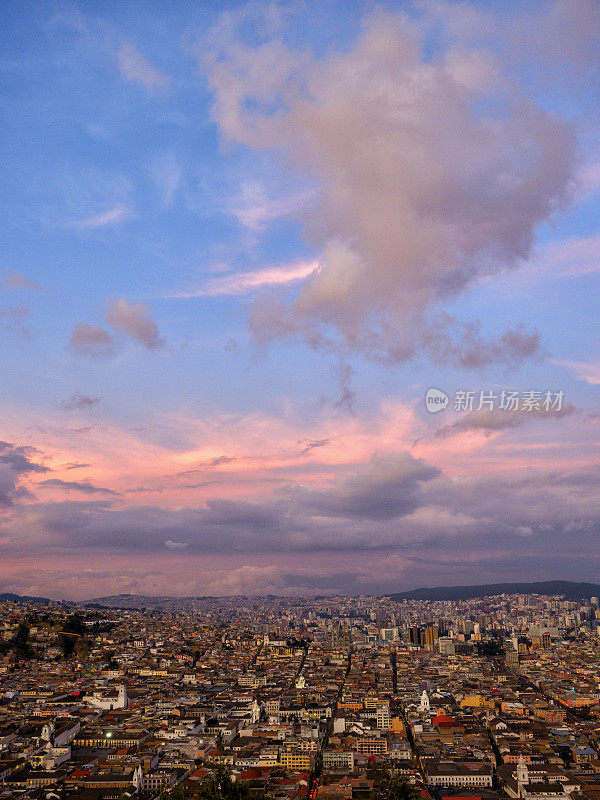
{"points": [[338, 698]]}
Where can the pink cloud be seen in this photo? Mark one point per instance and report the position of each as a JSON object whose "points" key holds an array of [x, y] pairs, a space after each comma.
{"points": [[16, 280], [244, 282], [253, 482], [91, 340], [421, 192], [250, 456], [134, 320], [588, 371]]}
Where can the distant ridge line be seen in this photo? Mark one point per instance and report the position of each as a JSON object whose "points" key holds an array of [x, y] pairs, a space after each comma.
{"points": [[570, 590], [10, 597]]}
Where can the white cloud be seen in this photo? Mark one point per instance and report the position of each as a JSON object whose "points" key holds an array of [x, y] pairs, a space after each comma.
{"points": [[588, 179], [175, 545], [113, 216], [255, 209], [166, 174], [571, 257]]}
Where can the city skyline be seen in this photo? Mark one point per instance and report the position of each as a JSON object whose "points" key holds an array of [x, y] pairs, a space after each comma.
{"points": [[298, 297]]}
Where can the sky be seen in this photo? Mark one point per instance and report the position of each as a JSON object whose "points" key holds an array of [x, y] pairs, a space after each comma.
{"points": [[241, 244]]}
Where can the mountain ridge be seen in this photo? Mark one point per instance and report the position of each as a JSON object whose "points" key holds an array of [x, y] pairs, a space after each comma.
{"points": [[6, 597], [570, 590]]}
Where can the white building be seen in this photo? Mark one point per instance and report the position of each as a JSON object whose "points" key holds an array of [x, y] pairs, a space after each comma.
{"points": [[108, 701]]}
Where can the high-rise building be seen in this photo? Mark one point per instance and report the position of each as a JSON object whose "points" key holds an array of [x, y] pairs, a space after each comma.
{"points": [[414, 636], [431, 636]]}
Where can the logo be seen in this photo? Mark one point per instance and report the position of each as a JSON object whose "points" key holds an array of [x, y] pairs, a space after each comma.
{"points": [[532, 401], [436, 400]]}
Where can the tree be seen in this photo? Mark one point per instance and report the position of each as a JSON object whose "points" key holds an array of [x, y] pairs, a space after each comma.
{"points": [[72, 629], [74, 624], [20, 641], [390, 785], [177, 794], [219, 785]]}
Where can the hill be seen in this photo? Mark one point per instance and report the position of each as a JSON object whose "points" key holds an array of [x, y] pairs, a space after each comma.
{"points": [[148, 602], [18, 598], [570, 590]]}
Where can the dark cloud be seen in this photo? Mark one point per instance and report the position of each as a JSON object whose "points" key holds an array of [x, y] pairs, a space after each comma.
{"points": [[216, 462], [397, 512], [16, 461], [8, 485], [347, 393], [85, 487], [320, 581], [92, 341], [528, 502], [19, 459], [387, 488], [221, 527], [78, 401], [135, 321], [299, 519], [312, 445], [448, 341], [498, 419]]}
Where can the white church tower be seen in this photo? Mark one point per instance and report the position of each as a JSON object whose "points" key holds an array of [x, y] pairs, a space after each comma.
{"points": [[123, 700], [48, 731], [522, 776], [424, 706], [138, 779]]}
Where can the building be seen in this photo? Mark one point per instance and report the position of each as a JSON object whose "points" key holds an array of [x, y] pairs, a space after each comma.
{"points": [[371, 746], [463, 774], [335, 759]]}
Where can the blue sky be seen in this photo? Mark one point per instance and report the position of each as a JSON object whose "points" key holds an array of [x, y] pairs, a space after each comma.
{"points": [[243, 240]]}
